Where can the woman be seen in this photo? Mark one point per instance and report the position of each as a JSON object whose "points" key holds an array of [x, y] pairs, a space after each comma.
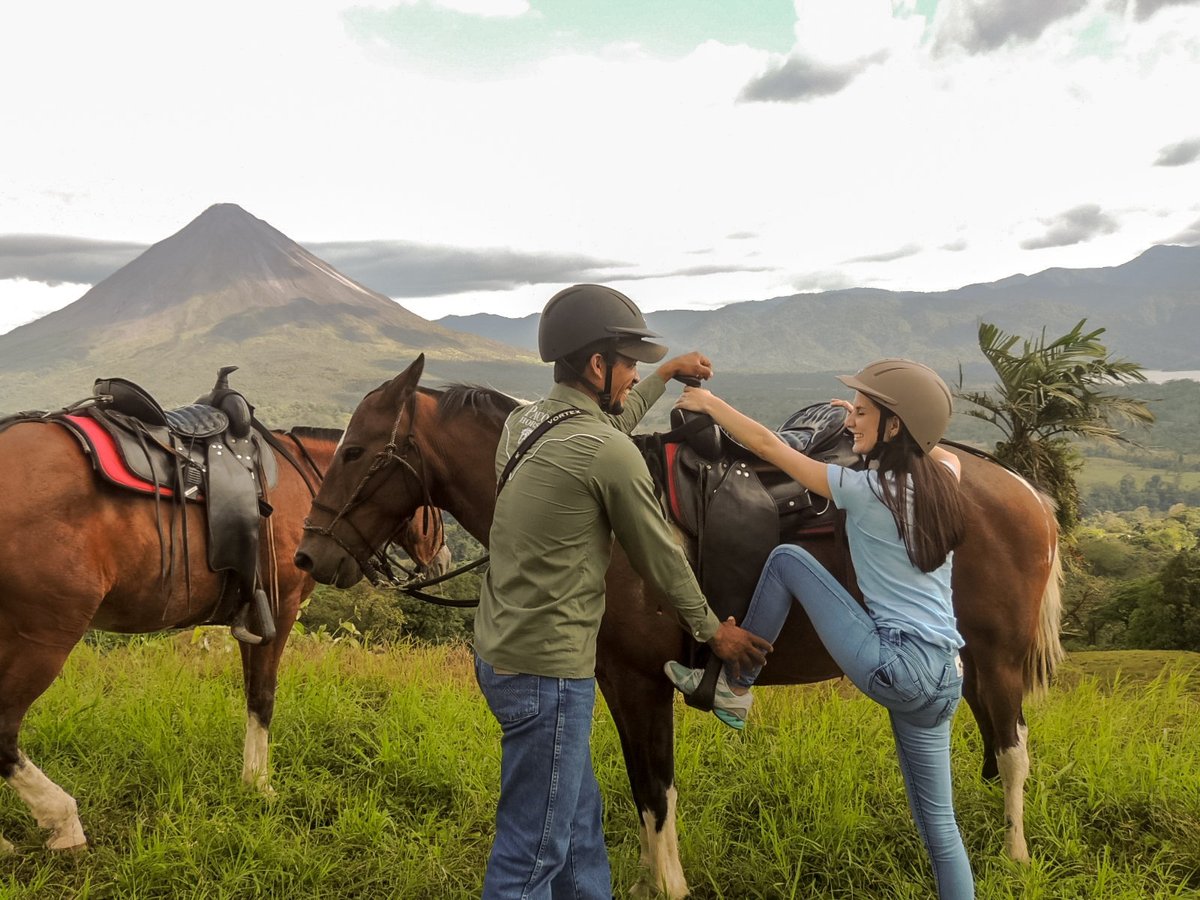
{"points": [[903, 520]]}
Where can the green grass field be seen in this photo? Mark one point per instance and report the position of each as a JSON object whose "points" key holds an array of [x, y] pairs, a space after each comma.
{"points": [[386, 765], [1099, 470]]}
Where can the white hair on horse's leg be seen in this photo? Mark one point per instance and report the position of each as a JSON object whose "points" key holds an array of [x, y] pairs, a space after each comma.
{"points": [[51, 806], [1014, 769], [256, 758], [660, 856], [5, 847]]}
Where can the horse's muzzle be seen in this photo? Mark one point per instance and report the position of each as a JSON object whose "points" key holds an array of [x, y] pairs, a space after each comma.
{"points": [[327, 563]]}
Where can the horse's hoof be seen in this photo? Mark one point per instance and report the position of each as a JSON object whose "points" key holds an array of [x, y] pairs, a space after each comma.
{"points": [[68, 840], [6, 848]]}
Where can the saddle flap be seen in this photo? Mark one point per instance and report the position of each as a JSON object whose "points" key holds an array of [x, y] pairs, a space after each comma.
{"points": [[699, 432], [741, 528]]}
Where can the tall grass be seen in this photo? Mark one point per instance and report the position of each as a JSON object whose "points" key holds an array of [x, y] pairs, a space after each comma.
{"points": [[386, 766]]}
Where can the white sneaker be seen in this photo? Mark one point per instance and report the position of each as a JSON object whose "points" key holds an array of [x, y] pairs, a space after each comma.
{"points": [[729, 707]]}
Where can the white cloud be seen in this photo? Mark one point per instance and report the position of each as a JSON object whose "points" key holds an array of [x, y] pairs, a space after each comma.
{"points": [[23, 301], [615, 156]]}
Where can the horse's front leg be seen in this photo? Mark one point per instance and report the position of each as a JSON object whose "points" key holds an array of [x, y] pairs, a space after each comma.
{"points": [[260, 670], [643, 711]]}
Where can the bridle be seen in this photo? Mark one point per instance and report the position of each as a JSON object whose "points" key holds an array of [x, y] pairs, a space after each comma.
{"points": [[375, 564]]}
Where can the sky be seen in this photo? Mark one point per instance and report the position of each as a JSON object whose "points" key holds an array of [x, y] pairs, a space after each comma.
{"points": [[466, 156]]}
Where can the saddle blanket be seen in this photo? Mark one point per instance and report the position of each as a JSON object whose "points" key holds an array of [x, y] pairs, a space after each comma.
{"points": [[108, 461]]}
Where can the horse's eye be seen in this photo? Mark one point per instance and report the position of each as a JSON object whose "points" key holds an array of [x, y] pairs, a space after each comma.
{"points": [[350, 454]]}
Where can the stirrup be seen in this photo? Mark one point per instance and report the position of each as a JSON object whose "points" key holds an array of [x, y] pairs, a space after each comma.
{"points": [[240, 627]]}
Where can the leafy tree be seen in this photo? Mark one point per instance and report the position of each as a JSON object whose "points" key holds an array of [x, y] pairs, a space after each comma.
{"points": [[1169, 618], [1048, 393]]}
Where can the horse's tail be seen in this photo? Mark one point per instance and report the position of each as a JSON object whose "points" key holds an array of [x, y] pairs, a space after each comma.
{"points": [[1046, 652]]}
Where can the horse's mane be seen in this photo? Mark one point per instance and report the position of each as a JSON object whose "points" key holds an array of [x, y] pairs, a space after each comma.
{"points": [[332, 435], [455, 398]]}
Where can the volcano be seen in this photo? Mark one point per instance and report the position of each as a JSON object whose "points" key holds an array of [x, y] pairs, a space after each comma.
{"points": [[229, 289]]}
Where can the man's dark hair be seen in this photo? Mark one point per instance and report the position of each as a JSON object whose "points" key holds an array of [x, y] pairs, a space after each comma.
{"points": [[569, 369]]}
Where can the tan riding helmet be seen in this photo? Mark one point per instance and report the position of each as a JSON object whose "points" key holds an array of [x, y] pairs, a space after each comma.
{"points": [[914, 392]]}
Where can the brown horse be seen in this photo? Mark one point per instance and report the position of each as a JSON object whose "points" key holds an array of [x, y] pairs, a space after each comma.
{"points": [[407, 445], [79, 555]]}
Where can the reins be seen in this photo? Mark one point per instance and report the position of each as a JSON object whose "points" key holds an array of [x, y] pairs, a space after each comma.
{"points": [[415, 589]]}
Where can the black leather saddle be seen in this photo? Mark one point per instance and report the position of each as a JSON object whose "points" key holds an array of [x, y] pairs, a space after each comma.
{"points": [[205, 452], [735, 508]]}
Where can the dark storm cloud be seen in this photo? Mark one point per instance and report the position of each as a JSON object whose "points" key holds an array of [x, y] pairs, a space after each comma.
{"points": [[889, 255], [798, 79], [404, 269], [695, 271], [53, 259], [1179, 154], [1073, 227], [1144, 9], [395, 268], [980, 26], [407, 269], [1188, 237]]}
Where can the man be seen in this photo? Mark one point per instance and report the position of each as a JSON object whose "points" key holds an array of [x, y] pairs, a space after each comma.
{"points": [[572, 489]]}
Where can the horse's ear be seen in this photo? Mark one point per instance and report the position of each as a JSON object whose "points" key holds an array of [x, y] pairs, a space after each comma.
{"points": [[399, 388]]}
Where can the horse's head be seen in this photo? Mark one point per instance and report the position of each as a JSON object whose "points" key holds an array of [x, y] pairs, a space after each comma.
{"points": [[374, 485]]}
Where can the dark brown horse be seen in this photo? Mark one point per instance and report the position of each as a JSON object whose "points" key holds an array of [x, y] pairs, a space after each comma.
{"points": [[77, 555], [407, 445]]}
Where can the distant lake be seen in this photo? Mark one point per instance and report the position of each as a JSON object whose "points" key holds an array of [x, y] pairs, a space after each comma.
{"points": [[1157, 377]]}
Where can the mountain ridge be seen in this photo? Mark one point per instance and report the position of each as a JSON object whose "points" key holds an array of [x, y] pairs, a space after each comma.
{"points": [[1149, 306], [230, 289]]}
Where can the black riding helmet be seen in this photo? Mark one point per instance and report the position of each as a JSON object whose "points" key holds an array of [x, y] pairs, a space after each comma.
{"points": [[587, 313]]}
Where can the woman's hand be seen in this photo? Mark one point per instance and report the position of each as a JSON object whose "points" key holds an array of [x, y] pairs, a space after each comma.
{"points": [[844, 404], [695, 399]]}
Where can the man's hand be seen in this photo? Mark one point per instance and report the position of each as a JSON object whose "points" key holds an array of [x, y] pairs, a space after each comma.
{"points": [[690, 365], [740, 648]]}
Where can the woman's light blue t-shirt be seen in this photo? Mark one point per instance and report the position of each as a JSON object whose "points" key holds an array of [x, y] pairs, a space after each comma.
{"points": [[898, 594]]}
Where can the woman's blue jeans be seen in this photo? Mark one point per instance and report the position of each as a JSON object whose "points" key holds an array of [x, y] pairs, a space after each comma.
{"points": [[549, 838], [918, 683]]}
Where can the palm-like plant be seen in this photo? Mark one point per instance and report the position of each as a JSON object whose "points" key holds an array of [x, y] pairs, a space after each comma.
{"points": [[1048, 393]]}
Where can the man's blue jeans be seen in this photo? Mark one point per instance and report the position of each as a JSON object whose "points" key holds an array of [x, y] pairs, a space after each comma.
{"points": [[549, 838], [918, 683]]}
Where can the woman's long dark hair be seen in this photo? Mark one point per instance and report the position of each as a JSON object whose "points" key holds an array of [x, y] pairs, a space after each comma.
{"points": [[935, 524]]}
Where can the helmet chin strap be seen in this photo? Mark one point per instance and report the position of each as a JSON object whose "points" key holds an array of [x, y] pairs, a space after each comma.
{"points": [[604, 396], [880, 436]]}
